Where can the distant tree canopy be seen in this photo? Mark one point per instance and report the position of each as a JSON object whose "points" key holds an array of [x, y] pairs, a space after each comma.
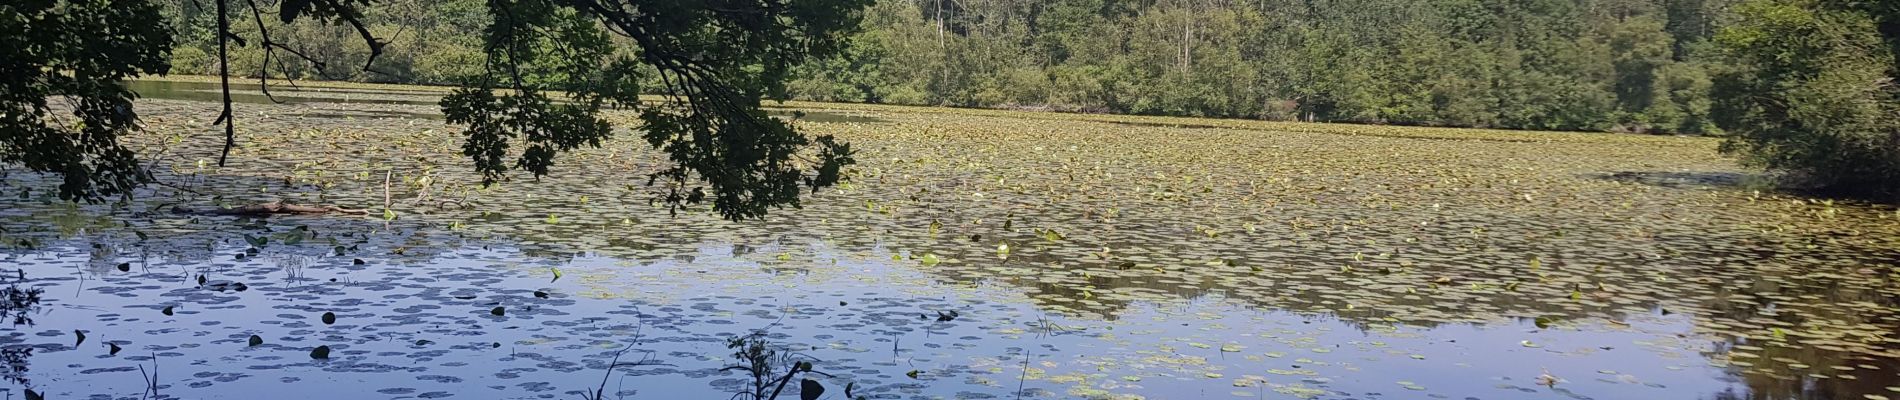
{"points": [[536, 76], [1597, 65], [1589, 65]]}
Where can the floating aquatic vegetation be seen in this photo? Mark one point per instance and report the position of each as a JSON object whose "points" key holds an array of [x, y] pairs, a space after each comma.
{"points": [[19, 305], [770, 368], [1332, 260]]}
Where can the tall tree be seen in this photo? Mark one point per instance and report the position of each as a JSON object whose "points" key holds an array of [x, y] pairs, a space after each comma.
{"points": [[1810, 91]]}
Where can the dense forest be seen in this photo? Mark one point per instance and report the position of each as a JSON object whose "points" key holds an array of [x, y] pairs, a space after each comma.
{"points": [[1798, 85], [1627, 65], [1541, 64]]}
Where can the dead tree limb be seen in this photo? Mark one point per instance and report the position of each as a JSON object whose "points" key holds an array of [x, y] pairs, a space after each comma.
{"points": [[271, 208]]}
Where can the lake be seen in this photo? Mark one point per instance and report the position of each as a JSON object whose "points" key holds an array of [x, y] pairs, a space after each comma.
{"points": [[974, 254]]}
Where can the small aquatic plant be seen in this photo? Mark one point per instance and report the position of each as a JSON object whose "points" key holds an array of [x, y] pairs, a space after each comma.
{"points": [[18, 304], [771, 368]]}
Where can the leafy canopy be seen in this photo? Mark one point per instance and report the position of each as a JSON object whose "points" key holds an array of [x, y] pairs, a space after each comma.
{"points": [[76, 51], [1812, 91], [552, 68]]}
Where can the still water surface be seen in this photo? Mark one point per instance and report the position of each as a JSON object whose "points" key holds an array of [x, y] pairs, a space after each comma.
{"points": [[530, 290]]}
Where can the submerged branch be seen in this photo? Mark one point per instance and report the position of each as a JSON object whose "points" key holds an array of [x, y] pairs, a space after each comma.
{"points": [[271, 208]]}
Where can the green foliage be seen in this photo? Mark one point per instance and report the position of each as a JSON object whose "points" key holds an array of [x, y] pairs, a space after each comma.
{"points": [[715, 65], [535, 82], [1810, 91], [192, 59], [76, 51], [1802, 86], [533, 66], [762, 361], [1597, 65], [1608, 65]]}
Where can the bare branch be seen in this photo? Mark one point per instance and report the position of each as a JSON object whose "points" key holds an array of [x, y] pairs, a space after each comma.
{"points": [[224, 76], [355, 20], [263, 69]]}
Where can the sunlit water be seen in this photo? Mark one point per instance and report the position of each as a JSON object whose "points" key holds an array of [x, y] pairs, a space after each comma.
{"points": [[424, 327], [934, 277]]}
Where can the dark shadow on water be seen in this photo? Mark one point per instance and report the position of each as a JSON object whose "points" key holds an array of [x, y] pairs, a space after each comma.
{"points": [[1166, 125], [250, 93], [1733, 180], [820, 116], [374, 114], [1245, 128], [1688, 180]]}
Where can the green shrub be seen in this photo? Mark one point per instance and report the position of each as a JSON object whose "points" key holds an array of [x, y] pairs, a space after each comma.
{"points": [[187, 60], [1811, 94]]}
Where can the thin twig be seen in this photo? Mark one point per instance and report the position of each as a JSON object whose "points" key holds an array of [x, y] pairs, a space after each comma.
{"points": [[386, 175], [148, 382], [782, 381], [601, 392], [1020, 380], [263, 68], [151, 382]]}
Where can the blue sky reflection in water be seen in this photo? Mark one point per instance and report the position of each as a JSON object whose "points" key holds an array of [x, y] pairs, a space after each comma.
{"points": [[423, 328]]}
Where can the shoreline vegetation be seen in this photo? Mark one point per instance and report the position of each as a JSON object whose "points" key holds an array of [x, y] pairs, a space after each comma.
{"points": [[1342, 128], [1801, 89], [1691, 143]]}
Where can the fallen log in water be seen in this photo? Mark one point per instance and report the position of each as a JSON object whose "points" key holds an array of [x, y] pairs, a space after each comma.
{"points": [[271, 208]]}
